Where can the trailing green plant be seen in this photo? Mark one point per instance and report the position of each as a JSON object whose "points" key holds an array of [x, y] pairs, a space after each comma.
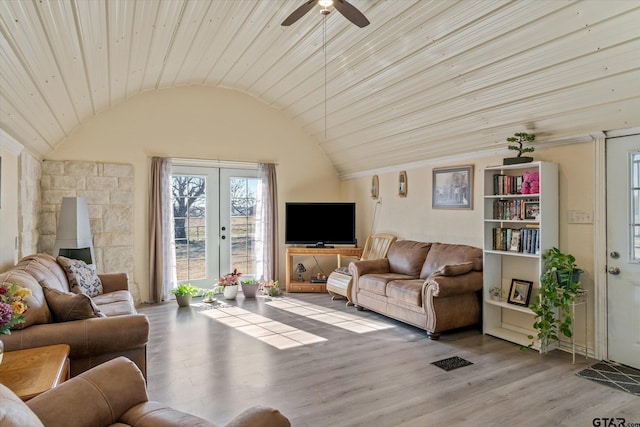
{"points": [[559, 286], [518, 139], [185, 289]]}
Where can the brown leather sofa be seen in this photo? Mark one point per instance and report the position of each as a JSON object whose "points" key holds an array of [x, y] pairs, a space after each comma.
{"points": [[111, 394], [92, 340], [434, 286]]}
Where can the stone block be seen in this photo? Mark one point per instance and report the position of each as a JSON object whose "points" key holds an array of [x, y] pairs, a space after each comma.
{"points": [[118, 219], [119, 170], [80, 169], [66, 182], [113, 239], [102, 183], [126, 184], [55, 196], [117, 259], [95, 211], [49, 223], [95, 197], [50, 167], [122, 198]]}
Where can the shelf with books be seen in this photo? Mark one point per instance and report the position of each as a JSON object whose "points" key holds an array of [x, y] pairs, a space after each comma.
{"points": [[517, 229]]}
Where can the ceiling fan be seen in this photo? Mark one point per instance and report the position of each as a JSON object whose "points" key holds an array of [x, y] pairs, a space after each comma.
{"points": [[347, 10]]}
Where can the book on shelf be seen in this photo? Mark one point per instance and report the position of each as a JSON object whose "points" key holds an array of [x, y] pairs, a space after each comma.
{"points": [[522, 240]]}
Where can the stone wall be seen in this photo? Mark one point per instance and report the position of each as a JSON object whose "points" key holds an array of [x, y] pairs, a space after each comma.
{"points": [[109, 190], [30, 170]]}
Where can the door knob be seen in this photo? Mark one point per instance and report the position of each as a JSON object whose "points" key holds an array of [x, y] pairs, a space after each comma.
{"points": [[614, 270]]}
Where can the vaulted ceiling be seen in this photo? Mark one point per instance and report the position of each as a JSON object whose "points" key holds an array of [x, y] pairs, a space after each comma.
{"points": [[426, 79]]}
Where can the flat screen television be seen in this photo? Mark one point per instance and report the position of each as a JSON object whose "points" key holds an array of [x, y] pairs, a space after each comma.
{"points": [[320, 224]]}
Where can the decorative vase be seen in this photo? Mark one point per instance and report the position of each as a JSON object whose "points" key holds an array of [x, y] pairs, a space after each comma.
{"points": [[249, 290], [183, 300], [230, 291]]}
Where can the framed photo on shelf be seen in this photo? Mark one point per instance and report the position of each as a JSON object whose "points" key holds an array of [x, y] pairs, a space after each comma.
{"points": [[452, 188], [374, 187], [514, 244], [520, 292], [402, 184], [532, 210]]}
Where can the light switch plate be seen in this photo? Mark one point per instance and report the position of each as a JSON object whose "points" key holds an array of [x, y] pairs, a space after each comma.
{"points": [[580, 217]]}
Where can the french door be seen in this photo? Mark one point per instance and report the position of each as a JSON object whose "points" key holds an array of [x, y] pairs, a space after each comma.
{"points": [[214, 216], [623, 249]]}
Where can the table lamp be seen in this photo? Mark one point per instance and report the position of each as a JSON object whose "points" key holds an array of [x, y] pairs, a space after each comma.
{"points": [[299, 270]]}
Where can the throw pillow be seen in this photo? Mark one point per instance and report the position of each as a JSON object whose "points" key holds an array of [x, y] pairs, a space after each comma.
{"points": [[454, 269], [67, 306], [82, 277]]}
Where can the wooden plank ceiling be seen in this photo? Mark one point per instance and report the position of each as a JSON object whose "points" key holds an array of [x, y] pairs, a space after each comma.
{"points": [[427, 79]]}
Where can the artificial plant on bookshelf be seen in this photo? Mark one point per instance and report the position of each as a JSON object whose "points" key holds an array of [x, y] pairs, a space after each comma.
{"points": [[520, 223]]}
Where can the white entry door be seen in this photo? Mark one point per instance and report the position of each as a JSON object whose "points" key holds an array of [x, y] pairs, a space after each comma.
{"points": [[623, 249]]}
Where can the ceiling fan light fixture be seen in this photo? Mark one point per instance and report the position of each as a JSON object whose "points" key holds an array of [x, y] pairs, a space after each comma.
{"points": [[325, 3]]}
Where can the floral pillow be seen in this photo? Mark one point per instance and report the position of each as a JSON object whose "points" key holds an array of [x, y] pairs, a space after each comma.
{"points": [[82, 277]]}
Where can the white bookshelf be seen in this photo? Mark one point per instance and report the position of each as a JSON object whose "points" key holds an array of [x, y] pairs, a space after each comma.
{"points": [[500, 318]]}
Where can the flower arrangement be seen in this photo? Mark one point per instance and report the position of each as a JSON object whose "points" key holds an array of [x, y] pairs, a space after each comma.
{"points": [[270, 288], [13, 305], [230, 279]]}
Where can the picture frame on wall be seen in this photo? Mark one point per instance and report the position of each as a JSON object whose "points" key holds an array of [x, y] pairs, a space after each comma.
{"points": [[520, 292], [402, 184], [452, 188], [375, 187]]}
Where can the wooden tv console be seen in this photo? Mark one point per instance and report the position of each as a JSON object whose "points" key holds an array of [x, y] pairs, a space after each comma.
{"points": [[292, 251]]}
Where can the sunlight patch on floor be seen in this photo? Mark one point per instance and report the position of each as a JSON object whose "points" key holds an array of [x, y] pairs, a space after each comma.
{"points": [[269, 331], [347, 321]]}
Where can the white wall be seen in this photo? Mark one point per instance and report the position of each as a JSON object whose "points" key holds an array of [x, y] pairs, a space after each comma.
{"points": [[201, 123], [10, 150]]}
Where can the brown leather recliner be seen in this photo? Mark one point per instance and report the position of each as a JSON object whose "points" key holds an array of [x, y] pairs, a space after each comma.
{"points": [[110, 394]]}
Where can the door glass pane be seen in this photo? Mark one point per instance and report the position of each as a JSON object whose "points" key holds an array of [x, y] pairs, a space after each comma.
{"points": [[635, 207], [189, 211], [243, 192]]}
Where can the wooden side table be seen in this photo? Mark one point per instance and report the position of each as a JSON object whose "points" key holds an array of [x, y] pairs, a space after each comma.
{"points": [[33, 371]]}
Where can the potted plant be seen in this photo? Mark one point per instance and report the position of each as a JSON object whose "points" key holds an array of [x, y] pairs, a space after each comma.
{"points": [[271, 288], [559, 287], [249, 287], [516, 144], [208, 295], [228, 284], [184, 292], [496, 293]]}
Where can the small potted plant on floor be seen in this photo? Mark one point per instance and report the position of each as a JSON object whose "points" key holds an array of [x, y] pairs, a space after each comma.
{"points": [[228, 284], [249, 287], [184, 292], [559, 288]]}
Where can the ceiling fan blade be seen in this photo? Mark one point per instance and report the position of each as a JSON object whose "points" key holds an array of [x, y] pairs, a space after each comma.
{"points": [[350, 12], [299, 13]]}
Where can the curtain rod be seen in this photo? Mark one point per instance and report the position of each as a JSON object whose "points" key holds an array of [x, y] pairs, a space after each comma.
{"points": [[183, 161]]}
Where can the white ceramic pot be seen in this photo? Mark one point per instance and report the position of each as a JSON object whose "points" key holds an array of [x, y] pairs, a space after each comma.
{"points": [[230, 292]]}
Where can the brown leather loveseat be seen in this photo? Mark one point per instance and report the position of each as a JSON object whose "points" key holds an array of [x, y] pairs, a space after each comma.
{"points": [[112, 394], [434, 286], [114, 329]]}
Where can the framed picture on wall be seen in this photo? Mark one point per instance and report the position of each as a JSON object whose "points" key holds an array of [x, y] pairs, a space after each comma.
{"points": [[374, 187], [453, 188], [402, 184]]}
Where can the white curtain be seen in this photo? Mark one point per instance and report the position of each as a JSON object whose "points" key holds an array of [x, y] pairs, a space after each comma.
{"points": [[162, 272], [266, 246]]}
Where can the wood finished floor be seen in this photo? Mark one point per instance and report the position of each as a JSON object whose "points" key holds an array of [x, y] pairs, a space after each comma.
{"points": [[381, 378]]}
